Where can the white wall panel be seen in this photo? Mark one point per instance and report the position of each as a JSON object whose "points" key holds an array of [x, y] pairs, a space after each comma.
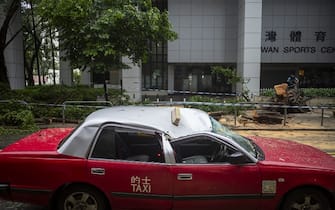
{"points": [[204, 30]]}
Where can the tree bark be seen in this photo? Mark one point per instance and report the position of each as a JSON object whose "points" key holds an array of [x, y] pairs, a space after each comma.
{"points": [[3, 68]]}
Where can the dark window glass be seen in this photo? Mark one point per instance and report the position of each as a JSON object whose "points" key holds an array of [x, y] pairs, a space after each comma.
{"points": [[201, 150], [100, 77], [105, 146], [126, 144], [199, 78], [154, 70]]}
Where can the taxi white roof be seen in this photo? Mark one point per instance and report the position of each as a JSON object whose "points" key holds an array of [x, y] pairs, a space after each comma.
{"points": [[160, 118]]}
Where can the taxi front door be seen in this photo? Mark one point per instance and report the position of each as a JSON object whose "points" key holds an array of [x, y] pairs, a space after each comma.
{"points": [[216, 186]]}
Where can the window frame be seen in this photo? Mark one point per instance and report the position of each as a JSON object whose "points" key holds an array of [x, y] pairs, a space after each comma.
{"points": [[213, 138], [126, 127]]}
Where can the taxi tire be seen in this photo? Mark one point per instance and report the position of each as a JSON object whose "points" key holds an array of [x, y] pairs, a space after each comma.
{"points": [[307, 198], [93, 197]]}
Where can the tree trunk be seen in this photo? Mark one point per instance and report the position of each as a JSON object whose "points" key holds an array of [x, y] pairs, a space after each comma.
{"points": [[29, 72], [3, 68]]}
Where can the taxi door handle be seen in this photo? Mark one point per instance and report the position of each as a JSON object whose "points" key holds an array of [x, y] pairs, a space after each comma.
{"points": [[184, 177], [98, 171]]}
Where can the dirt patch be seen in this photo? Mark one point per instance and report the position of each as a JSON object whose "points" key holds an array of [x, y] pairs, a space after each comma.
{"points": [[304, 128], [323, 140], [308, 120]]}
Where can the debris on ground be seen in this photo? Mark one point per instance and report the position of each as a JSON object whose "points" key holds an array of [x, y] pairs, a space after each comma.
{"points": [[267, 117]]}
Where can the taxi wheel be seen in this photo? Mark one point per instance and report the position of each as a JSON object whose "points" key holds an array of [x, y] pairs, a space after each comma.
{"points": [[81, 197], [303, 199]]}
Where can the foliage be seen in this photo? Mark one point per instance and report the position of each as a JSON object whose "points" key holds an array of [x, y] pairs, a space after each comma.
{"points": [[45, 103], [24, 119], [39, 45], [6, 131], [214, 108], [4, 91], [76, 113], [98, 33], [76, 77], [47, 112], [228, 73], [319, 92], [16, 114], [270, 92], [59, 94]]}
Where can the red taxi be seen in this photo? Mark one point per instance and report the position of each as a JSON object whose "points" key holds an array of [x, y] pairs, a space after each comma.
{"points": [[163, 158]]}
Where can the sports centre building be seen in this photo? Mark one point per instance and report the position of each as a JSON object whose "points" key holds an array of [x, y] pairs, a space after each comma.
{"points": [[264, 40]]}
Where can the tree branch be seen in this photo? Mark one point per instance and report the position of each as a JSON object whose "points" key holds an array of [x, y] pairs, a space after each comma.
{"points": [[13, 37]]}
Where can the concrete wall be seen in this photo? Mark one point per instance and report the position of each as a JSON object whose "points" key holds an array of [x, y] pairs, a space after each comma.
{"points": [[132, 80], [14, 52], [249, 45], [207, 31]]}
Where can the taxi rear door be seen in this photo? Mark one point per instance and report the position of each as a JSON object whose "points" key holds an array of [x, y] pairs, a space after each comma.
{"points": [[129, 164]]}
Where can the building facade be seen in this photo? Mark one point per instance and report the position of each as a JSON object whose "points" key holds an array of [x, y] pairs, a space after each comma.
{"points": [[263, 40]]}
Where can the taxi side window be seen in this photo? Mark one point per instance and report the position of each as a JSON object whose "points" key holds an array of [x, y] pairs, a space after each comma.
{"points": [[127, 144], [200, 150]]}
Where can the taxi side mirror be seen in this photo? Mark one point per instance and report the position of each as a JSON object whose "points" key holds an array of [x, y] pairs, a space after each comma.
{"points": [[237, 158]]}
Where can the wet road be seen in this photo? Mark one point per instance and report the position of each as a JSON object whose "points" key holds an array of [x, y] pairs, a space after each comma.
{"points": [[4, 205]]}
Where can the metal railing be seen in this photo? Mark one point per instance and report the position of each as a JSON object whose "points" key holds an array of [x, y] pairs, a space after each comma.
{"points": [[248, 105], [88, 104], [15, 101], [80, 104]]}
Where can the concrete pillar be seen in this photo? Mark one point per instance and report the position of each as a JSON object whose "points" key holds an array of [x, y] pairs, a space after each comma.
{"points": [[249, 45], [65, 70], [132, 80], [170, 78], [14, 51], [86, 77]]}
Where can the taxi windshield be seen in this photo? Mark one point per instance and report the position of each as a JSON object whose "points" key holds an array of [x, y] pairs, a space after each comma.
{"points": [[247, 144]]}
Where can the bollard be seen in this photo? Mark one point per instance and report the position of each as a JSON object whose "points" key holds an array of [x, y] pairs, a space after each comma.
{"points": [[322, 112], [285, 116], [235, 115]]}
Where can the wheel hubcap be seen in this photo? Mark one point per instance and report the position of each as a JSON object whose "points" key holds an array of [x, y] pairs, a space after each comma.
{"points": [[80, 201], [307, 203]]}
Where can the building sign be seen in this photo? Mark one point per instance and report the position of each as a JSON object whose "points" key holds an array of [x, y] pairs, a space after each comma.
{"points": [[297, 37]]}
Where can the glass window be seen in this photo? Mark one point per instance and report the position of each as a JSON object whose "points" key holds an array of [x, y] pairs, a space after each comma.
{"points": [[199, 78], [126, 144], [246, 143], [100, 77], [201, 150], [155, 68]]}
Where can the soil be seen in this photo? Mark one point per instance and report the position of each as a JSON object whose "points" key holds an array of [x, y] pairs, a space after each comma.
{"points": [[304, 128]]}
